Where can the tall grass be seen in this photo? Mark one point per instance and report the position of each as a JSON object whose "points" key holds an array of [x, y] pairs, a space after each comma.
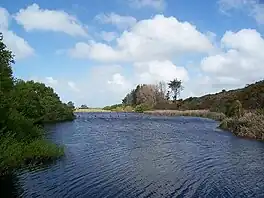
{"points": [[16, 154], [250, 125], [192, 113]]}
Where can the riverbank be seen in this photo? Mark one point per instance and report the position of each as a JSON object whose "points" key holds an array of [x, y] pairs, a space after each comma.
{"points": [[250, 125], [194, 113]]}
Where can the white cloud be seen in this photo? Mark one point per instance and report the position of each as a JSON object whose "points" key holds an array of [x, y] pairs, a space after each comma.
{"points": [[73, 86], [108, 36], [122, 22], [35, 18], [19, 47], [156, 4], [4, 18], [252, 7], [241, 59], [51, 81], [146, 42], [155, 71]]}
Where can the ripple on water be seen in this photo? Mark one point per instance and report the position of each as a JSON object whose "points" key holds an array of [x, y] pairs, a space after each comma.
{"points": [[135, 155]]}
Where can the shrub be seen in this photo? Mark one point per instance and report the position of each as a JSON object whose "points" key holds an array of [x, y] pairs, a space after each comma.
{"points": [[249, 125], [235, 110], [141, 108], [15, 154]]}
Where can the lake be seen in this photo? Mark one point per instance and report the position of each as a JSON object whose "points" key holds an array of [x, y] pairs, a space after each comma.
{"points": [[135, 155]]}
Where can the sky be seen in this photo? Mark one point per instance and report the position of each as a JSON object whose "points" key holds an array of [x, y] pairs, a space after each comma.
{"points": [[94, 52]]}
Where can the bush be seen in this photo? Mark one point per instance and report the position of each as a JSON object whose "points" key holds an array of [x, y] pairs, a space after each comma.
{"points": [[15, 154], [235, 110], [249, 125], [141, 108]]}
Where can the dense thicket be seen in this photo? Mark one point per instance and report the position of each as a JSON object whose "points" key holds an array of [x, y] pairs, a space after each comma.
{"points": [[251, 98], [23, 107]]}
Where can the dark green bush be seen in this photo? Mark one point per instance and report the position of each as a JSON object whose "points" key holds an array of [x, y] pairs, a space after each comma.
{"points": [[141, 108]]}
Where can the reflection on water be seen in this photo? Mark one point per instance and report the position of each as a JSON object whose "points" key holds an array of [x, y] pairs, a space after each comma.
{"points": [[132, 155]]}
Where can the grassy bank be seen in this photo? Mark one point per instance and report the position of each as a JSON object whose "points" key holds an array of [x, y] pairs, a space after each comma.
{"points": [[250, 125], [193, 113], [16, 154]]}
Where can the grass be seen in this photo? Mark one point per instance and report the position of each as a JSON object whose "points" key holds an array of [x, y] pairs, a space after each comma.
{"points": [[193, 113], [250, 125], [15, 154]]}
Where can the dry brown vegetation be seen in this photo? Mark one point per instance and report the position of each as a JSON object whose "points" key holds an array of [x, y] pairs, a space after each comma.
{"points": [[250, 125], [192, 113]]}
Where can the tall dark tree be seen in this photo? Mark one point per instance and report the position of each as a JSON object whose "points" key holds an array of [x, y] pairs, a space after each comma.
{"points": [[71, 105], [176, 87], [168, 95], [6, 83]]}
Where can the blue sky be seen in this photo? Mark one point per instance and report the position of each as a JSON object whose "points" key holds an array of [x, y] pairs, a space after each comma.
{"points": [[95, 52]]}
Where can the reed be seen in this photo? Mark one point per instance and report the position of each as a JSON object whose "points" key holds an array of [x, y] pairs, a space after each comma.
{"points": [[192, 113]]}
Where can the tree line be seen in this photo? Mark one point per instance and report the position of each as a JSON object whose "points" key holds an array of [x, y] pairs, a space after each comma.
{"points": [[148, 96], [24, 107]]}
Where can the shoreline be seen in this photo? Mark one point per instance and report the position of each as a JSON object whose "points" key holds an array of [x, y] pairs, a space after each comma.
{"points": [[191, 113]]}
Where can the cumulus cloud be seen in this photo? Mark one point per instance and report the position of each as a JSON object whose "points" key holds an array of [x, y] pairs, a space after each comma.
{"points": [[19, 47], [35, 18], [122, 22], [145, 41], [155, 71], [241, 59], [156, 4]]}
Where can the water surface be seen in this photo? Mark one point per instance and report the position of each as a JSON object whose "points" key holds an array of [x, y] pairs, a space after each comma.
{"points": [[133, 155]]}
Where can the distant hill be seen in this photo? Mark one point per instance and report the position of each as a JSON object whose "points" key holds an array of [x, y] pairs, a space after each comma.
{"points": [[251, 97]]}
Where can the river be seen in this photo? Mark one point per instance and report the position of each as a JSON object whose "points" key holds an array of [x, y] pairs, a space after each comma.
{"points": [[135, 155]]}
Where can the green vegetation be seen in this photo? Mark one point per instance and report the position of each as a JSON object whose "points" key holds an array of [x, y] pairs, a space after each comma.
{"points": [[24, 108], [119, 108]]}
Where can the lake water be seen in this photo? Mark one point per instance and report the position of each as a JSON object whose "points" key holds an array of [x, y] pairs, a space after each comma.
{"points": [[134, 155]]}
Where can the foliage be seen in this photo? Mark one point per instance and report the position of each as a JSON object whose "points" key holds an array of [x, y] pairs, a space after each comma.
{"points": [[142, 107], [235, 110], [112, 107], [119, 108], [15, 154], [70, 104], [148, 94], [250, 125], [176, 87], [84, 107], [24, 106], [251, 98]]}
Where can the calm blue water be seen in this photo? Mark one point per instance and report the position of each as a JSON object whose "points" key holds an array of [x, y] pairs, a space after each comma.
{"points": [[132, 155]]}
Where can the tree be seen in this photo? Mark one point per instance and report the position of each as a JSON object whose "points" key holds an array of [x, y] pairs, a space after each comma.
{"points": [[168, 95], [176, 87], [84, 107], [6, 83], [70, 104], [161, 91]]}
